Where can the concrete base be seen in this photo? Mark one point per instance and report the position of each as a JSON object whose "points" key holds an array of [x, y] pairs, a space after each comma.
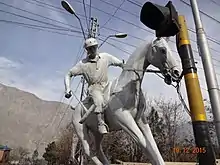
{"points": [[167, 163]]}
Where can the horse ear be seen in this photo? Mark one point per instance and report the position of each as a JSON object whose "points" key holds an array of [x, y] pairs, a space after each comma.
{"points": [[154, 41]]}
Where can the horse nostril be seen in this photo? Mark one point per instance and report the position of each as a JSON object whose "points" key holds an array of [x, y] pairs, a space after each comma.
{"points": [[176, 73]]}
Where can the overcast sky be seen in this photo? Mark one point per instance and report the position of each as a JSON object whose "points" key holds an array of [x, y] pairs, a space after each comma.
{"points": [[36, 61]]}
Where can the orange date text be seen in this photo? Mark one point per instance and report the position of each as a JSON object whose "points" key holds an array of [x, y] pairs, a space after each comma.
{"points": [[189, 150]]}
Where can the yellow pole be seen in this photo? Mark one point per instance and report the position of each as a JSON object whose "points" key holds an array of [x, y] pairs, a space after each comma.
{"points": [[204, 150]]}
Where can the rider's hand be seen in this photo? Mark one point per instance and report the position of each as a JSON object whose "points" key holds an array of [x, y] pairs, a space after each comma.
{"points": [[68, 94]]}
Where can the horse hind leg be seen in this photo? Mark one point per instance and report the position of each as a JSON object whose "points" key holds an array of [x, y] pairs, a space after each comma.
{"points": [[128, 124], [82, 133], [99, 150]]}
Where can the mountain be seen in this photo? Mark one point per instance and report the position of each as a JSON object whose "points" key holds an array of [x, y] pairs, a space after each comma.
{"points": [[25, 119]]}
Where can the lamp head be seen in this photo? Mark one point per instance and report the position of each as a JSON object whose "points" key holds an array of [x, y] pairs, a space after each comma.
{"points": [[68, 7]]}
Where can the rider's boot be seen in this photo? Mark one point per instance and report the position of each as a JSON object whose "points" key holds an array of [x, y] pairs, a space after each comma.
{"points": [[102, 127]]}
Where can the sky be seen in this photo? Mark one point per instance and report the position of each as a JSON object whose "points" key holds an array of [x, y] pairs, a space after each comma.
{"points": [[36, 61]]}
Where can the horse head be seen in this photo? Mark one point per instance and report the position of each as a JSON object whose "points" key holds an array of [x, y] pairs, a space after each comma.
{"points": [[161, 57]]}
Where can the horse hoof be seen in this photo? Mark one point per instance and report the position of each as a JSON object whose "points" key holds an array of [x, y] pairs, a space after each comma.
{"points": [[102, 129]]}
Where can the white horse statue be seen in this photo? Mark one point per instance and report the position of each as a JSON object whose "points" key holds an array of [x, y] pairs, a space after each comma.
{"points": [[126, 103]]}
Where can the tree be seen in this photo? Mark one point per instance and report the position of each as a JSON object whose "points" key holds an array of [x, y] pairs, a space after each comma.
{"points": [[212, 130], [64, 146], [19, 153], [59, 152], [51, 154], [165, 120]]}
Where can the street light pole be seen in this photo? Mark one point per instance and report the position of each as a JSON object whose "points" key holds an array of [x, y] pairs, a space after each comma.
{"points": [[210, 74], [70, 9]]}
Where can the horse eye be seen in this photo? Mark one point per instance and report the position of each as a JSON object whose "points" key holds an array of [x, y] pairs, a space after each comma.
{"points": [[163, 51]]}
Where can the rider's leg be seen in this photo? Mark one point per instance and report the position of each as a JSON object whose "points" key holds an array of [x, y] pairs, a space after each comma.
{"points": [[98, 99]]}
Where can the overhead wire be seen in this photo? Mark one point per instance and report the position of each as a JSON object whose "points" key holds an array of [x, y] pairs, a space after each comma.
{"points": [[66, 30], [129, 35], [41, 16], [135, 3], [51, 120], [33, 25], [84, 8], [209, 38], [65, 111], [112, 14], [90, 11], [134, 24], [48, 6], [40, 29], [190, 29], [112, 4], [135, 36], [218, 4]]}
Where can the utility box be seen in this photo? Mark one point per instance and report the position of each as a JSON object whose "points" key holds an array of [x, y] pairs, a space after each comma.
{"points": [[4, 154]]}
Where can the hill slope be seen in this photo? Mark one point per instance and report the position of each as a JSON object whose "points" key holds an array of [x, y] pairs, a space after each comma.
{"points": [[25, 119]]}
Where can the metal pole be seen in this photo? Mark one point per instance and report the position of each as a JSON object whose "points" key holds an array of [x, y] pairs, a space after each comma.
{"points": [[208, 66], [204, 149]]}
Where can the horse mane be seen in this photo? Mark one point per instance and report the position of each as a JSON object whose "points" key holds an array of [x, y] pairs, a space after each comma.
{"points": [[139, 52]]}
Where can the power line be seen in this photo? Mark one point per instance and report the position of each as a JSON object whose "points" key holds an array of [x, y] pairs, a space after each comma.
{"points": [[131, 23], [21, 16], [39, 29], [112, 4], [135, 3], [32, 25], [50, 7], [215, 2], [125, 51], [113, 14], [131, 35], [78, 31], [2, 3], [84, 8], [207, 15], [65, 23], [190, 29], [90, 11], [208, 37], [64, 113]]}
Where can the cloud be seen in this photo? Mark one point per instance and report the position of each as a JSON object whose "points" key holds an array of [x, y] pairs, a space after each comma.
{"points": [[8, 64], [47, 58]]}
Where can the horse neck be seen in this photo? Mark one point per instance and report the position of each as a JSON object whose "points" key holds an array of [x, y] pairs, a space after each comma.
{"points": [[138, 63]]}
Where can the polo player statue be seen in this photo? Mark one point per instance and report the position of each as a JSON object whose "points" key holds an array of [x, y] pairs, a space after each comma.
{"points": [[94, 68]]}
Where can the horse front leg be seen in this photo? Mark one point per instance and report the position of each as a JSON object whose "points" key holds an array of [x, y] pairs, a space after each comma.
{"points": [[151, 146], [129, 125]]}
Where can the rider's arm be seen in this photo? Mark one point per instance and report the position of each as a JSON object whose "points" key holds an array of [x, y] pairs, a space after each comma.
{"points": [[76, 70], [114, 61]]}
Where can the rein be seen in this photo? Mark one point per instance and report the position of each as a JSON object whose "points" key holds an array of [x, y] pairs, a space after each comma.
{"points": [[177, 86]]}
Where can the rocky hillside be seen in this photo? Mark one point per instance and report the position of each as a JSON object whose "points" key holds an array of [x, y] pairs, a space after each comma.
{"points": [[25, 119]]}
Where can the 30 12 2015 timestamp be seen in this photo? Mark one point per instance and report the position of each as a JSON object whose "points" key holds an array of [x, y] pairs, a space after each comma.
{"points": [[189, 150]]}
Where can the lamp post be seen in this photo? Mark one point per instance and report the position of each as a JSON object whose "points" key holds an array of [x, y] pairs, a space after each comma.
{"points": [[118, 35], [70, 9]]}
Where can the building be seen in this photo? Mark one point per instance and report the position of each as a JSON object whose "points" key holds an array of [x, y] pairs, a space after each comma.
{"points": [[4, 154]]}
